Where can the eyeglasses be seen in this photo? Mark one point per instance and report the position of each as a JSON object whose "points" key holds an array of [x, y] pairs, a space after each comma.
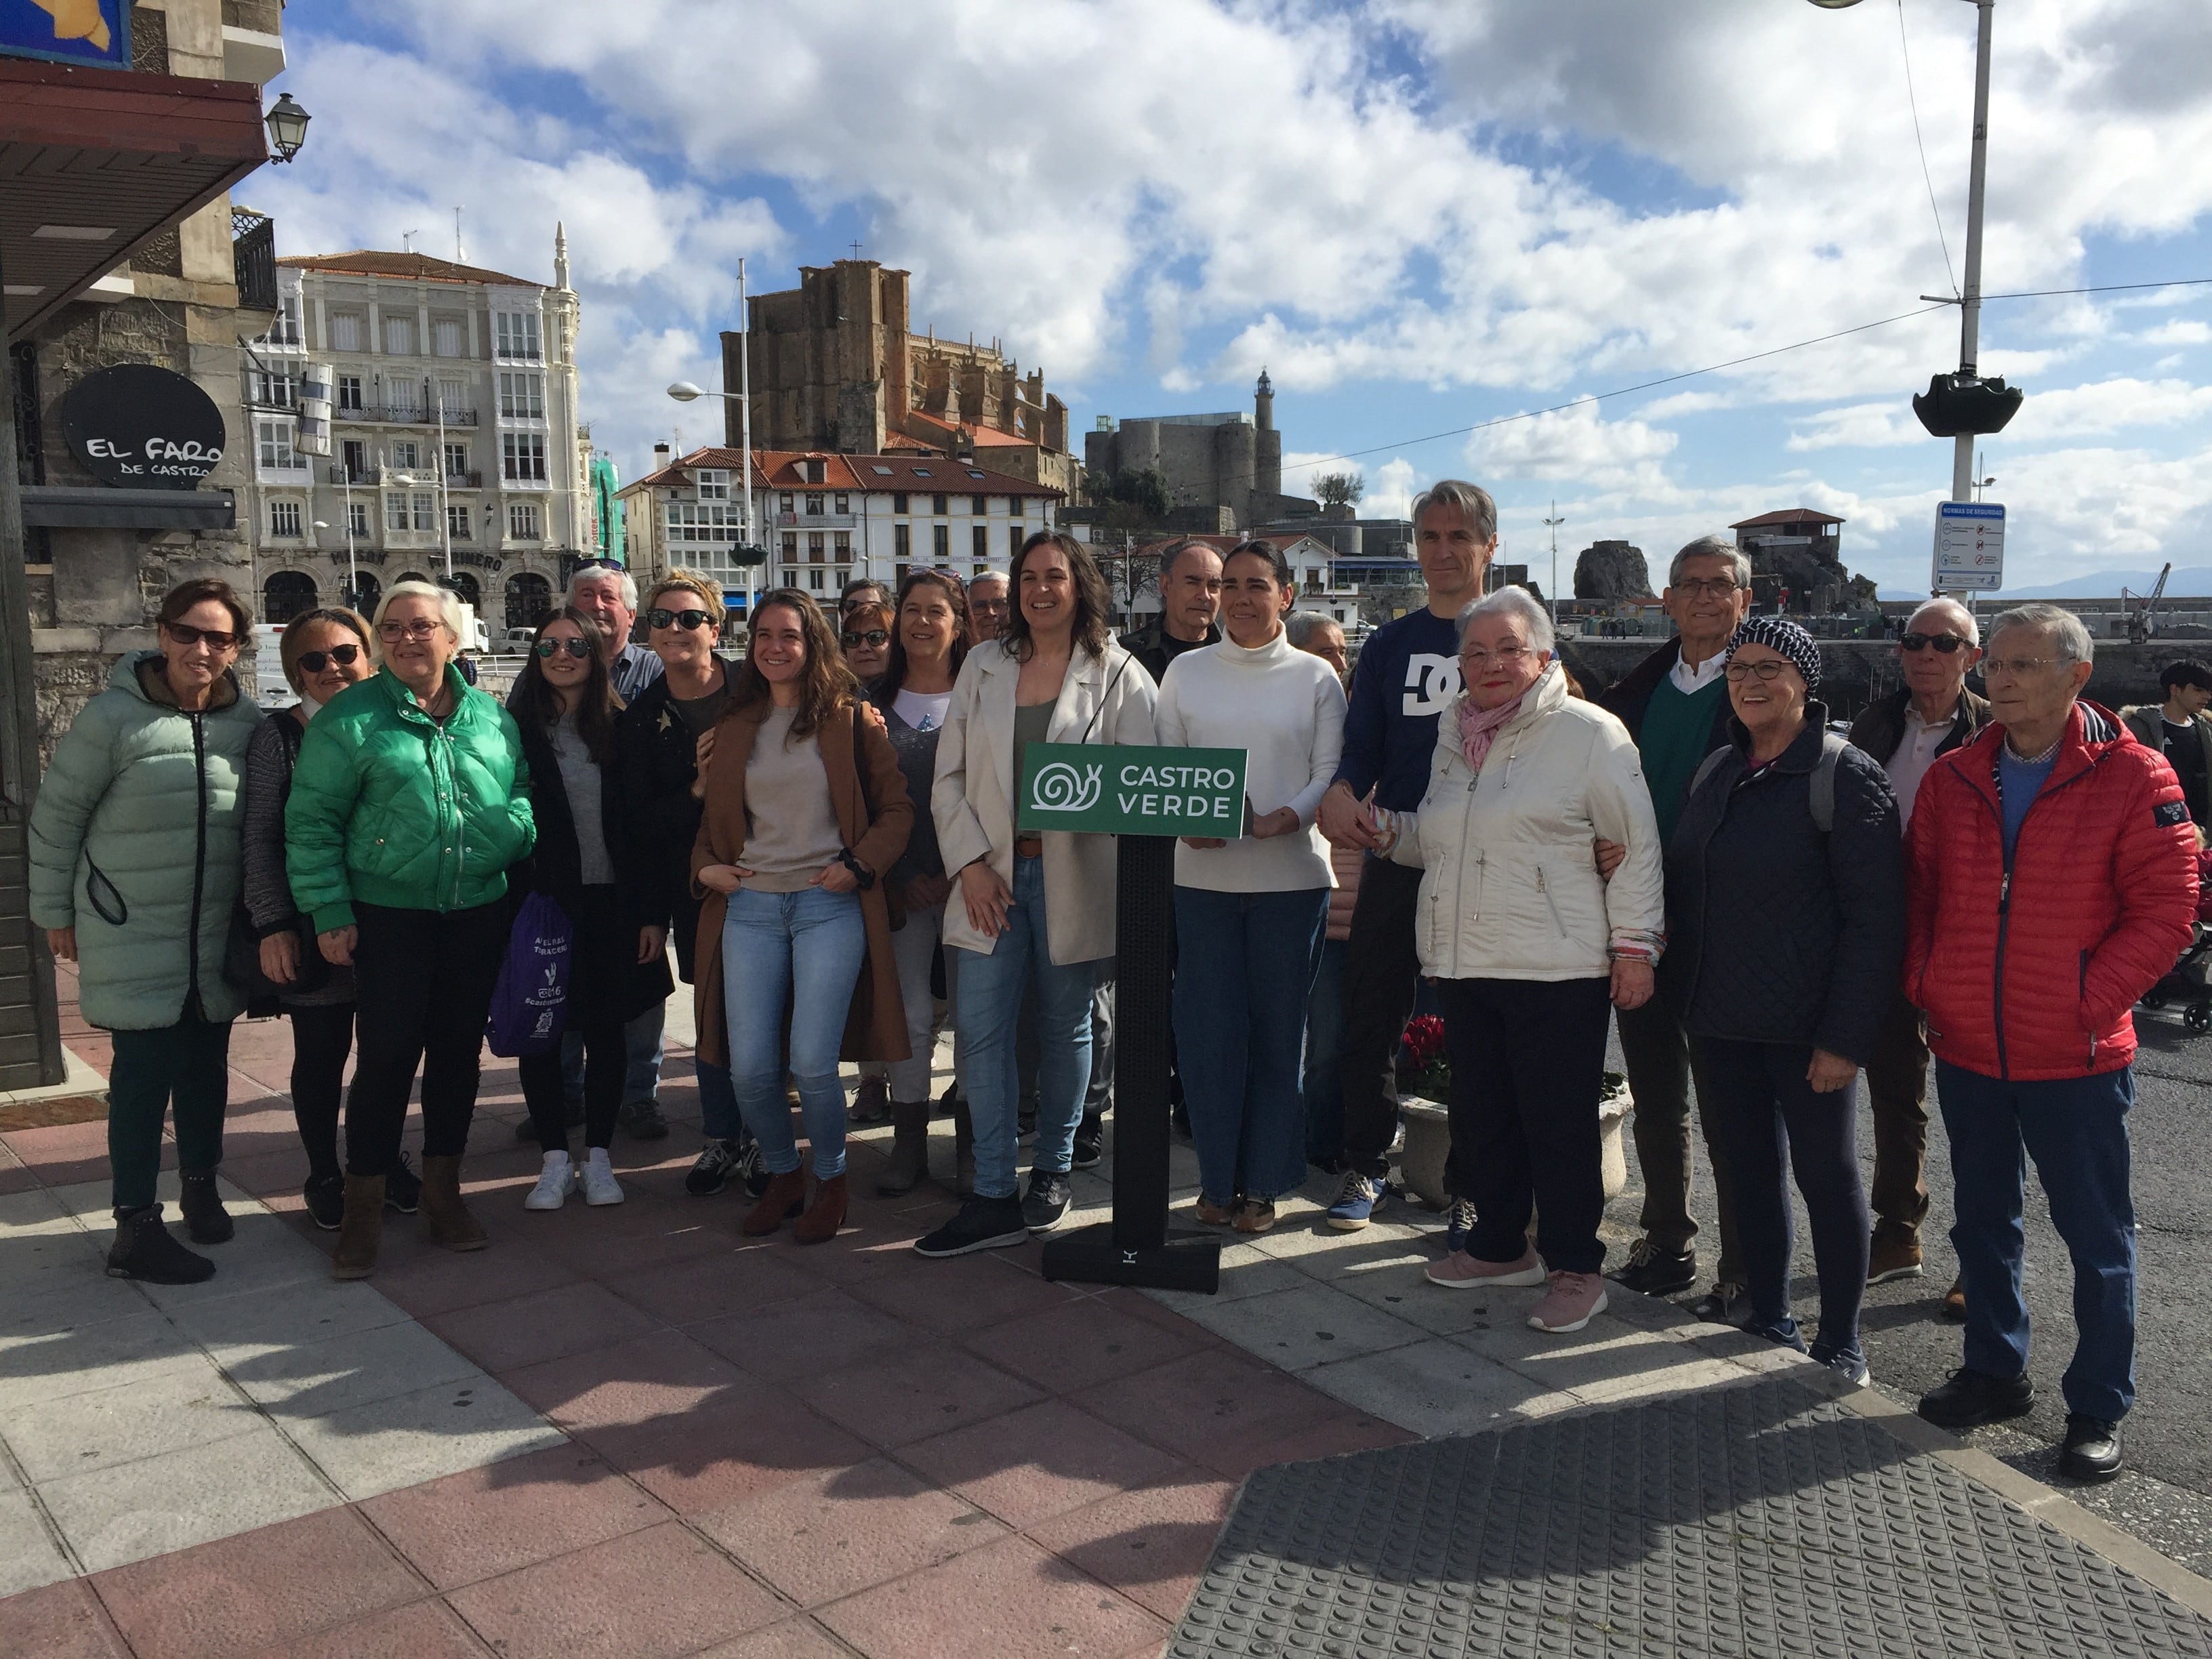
{"points": [[215, 639], [420, 627], [1948, 644], [988, 607], [315, 661], [1505, 656], [2016, 665], [578, 648], [1768, 669], [661, 617], [1718, 587], [873, 636]]}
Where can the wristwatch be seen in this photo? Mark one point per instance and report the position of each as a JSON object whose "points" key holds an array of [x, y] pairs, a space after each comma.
{"points": [[862, 874]]}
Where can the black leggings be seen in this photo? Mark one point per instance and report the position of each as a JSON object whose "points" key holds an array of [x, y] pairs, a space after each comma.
{"points": [[321, 1039], [601, 958], [425, 982]]}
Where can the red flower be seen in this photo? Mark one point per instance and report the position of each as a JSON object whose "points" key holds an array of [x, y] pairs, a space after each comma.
{"points": [[1424, 1040]]}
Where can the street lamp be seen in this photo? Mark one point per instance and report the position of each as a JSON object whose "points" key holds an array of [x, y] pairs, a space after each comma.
{"points": [[748, 554], [288, 127]]}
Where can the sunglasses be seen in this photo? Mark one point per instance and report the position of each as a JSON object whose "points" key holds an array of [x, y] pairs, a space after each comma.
{"points": [[873, 636], [1948, 644], [601, 564], [215, 639], [344, 655], [661, 617], [578, 648], [988, 605], [420, 628]]}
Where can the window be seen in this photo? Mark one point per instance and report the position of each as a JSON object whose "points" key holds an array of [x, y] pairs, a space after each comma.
{"points": [[395, 513], [445, 337], [276, 388], [783, 502], [453, 397], [936, 505], [403, 399], [1014, 539], [521, 395], [941, 542], [357, 518], [713, 484], [346, 329], [844, 546], [517, 335], [349, 394], [426, 511], [814, 504], [275, 438], [283, 518], [814, 548], [284, 329], [814, 580], [399, 337], [710, 522], [1013, 506], [457, 460], [980, 505], [843, 576], [923, 472], [522, 521], [522, 457], [457, 521], [1313, 575], [902, 542], [844, 504], [790, 553], [898, 501], [407, 454], [979, 537]]}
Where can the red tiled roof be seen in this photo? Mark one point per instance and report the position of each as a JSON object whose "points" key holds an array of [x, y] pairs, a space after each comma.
{"points": [[367, 262], [985, 436], [779, 469], [1788, 515]]}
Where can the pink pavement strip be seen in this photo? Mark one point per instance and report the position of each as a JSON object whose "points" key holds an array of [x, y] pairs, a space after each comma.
{"points": [[771, 1452]]}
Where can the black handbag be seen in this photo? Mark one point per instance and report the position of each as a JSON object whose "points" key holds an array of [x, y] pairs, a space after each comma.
{"points": [[241, 961]]}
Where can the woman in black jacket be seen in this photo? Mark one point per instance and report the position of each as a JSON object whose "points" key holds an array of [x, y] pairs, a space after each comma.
{"points": [[1785, 909], [564, 707]]}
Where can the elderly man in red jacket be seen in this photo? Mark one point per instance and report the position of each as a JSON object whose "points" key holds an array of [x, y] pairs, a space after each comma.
{"points": [[2052, 878]]}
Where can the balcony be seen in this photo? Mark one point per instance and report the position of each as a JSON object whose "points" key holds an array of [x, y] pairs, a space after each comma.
{"points": [[465, 481], [253, 258], [352, 475], [819, 520], [403, 415]]}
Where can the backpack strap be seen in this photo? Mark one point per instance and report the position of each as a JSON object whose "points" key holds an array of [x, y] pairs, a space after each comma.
{"points": [[1823, 786], [1706, 767]]}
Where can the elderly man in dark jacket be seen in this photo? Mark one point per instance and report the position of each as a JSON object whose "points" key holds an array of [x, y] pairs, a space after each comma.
{"points": [[1927, 717]]}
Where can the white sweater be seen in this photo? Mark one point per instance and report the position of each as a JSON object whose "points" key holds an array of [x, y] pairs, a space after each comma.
{"points": [[1284, 707]]}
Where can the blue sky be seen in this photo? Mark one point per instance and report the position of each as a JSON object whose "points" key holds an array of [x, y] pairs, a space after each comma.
{"points": [[1418, 215]]}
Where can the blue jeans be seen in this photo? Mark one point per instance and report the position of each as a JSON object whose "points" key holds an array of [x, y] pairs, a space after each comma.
{"points": [[2077, 1131], [1324, 1086], [719, 1117], [803, 950], [990, 1010], [1244, 964]]}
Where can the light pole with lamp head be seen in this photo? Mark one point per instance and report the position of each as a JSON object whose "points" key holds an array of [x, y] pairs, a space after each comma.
{"points": [[752, 554]]}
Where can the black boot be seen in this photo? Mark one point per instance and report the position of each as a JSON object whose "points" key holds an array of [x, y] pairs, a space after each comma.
{"points": [[1971, 1398], [402, 1188], [143, 1250], [201, 1205]]}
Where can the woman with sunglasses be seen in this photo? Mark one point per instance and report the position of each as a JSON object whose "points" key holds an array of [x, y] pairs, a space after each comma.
{"points": [[661, 741], [323, 652], [1785, 912], [865, 631], [134, 866], [564, 705], [410, 800]]}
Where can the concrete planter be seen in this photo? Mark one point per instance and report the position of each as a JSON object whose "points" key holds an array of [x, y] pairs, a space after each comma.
{"points": [[1428, 1143]]}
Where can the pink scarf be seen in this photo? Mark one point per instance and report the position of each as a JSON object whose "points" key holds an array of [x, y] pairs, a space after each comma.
{"points": [[1479, 728]]}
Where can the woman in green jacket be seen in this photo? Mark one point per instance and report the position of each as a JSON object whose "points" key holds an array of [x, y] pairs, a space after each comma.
{"points": [[134, 860], [410, 800]]}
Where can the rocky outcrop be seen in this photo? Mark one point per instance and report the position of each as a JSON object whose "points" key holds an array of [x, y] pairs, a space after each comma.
{"points": [[1610, 571]]}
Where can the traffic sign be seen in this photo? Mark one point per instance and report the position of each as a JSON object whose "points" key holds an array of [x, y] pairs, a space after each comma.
{"points": [[1123, 789], [1969, 546]]}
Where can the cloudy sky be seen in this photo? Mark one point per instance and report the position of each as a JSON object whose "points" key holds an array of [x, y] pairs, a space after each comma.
{"points": [[1419, 215]]}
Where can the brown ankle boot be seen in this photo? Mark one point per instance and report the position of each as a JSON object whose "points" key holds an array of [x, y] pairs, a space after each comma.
{"points": [[362, 1229], [963, 1151], [824, 1215], [445, 1218], [910, 1159], [784, 1194]]}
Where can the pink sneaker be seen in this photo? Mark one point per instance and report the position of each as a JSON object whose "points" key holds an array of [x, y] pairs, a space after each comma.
{"points": [[1461, 1272], [1569, 1304]]}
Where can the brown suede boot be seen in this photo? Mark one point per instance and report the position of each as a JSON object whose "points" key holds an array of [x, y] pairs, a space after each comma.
{"points": [[361, 1230], [784, 1194], [824, 1215], [445, 1218], [963, 1151], [910, 1159]]}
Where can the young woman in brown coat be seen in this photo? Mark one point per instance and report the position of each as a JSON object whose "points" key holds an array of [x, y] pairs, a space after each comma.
{"points": [[804, 810]]}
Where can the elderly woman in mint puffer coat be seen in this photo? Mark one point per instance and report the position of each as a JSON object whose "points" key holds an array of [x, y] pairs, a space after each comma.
{"points": [[134, 866]]}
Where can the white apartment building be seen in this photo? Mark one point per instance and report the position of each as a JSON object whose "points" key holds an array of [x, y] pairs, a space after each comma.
{"points": [[455, 446], [826, 519]]}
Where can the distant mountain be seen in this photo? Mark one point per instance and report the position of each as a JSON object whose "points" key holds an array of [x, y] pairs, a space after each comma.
{"points": [[2194, 583]]}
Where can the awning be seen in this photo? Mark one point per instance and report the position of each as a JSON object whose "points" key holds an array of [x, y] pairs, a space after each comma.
{"points": [[94, 162], [58, 507]]}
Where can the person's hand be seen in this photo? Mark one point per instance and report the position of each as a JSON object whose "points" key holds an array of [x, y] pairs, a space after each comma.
{"points": [[987, 898], [927, 892], [1829, 1072], [1283, 821], [703, 751], [1609, 855], [1633, 983], [651, 942], [337, 945], [722, 878], [1344, 819], [1203, 843], [61, 941], [834, 878], [280, 957]]}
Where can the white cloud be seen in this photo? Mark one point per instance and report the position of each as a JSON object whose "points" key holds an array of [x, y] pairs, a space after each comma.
{"points": [[2181, 331], [1391, 489], [1859, 426], [1575, 443]]}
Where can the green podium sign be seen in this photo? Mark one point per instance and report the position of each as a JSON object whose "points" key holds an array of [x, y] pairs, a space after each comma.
{"points": [[1123, 789]]}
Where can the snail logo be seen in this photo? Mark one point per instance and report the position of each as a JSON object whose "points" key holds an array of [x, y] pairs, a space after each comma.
{"points": [[1060, 787]]}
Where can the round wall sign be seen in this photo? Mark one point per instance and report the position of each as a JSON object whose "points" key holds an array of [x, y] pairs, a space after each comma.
{"points": [[142, 427]]}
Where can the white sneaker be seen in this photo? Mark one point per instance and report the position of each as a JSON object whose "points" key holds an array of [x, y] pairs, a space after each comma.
{"points": [[600, 1186], [553, 1184]]}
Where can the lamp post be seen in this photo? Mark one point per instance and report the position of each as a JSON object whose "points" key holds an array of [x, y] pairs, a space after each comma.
{"points": [[685, 392]]}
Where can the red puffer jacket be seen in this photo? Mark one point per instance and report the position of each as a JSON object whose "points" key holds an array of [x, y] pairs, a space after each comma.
{"points": [[2029, 972]]}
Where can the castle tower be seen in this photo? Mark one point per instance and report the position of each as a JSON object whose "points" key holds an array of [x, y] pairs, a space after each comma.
{"points": [[1263, 403], [1267, 455]]}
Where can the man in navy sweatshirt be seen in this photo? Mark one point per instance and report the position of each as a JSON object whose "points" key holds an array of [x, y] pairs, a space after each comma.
{"points": [[1407, 675]]}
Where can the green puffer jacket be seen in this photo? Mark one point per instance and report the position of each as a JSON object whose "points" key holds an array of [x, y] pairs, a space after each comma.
{"points": [[388, 807], [135, 844]]}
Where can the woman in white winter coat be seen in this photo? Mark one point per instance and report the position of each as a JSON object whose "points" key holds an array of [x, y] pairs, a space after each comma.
{"points": [[1530, 946]]}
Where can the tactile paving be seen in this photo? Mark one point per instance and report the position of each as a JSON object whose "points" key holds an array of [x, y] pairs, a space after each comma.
{"points": [[1756, 1521]]}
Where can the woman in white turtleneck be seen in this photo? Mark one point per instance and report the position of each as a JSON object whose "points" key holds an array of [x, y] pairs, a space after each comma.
{"points": [[1249, 912]]}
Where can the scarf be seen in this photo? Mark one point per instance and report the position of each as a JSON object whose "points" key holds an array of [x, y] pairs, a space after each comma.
{"points": [[1479, 728]]}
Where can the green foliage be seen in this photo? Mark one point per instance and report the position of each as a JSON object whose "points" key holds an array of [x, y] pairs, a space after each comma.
{"points": [[1339, 488]]}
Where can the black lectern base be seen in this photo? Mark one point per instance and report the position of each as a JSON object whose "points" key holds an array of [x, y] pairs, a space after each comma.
{"points": [[1188, 1261]]}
